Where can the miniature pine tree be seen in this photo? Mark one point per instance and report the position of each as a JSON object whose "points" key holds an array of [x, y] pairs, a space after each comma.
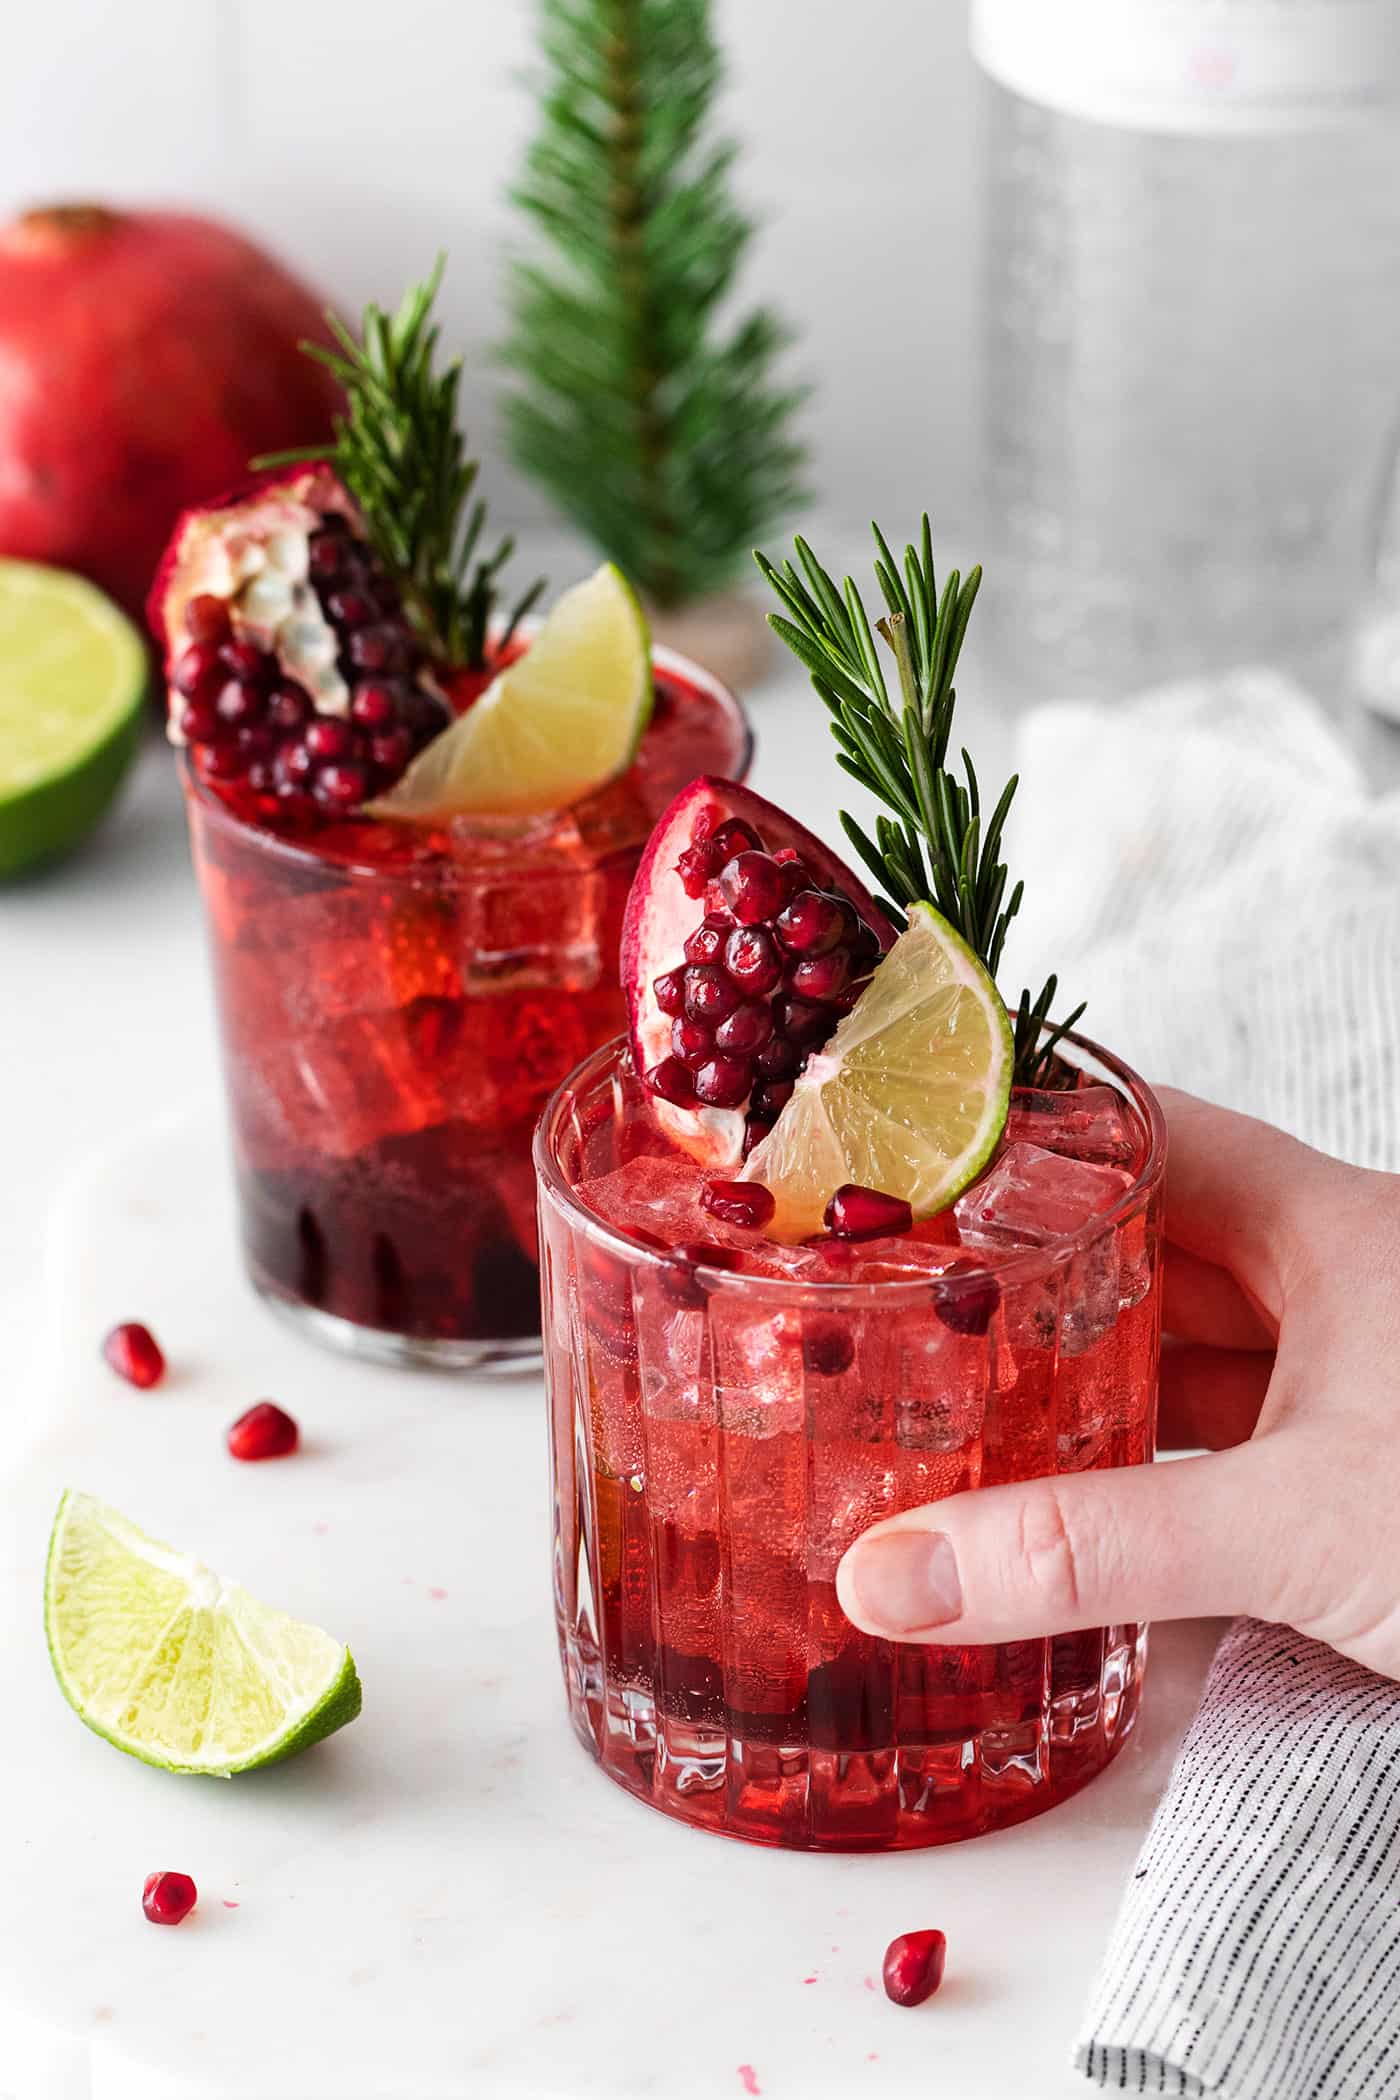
{"points": [[658, 427]]}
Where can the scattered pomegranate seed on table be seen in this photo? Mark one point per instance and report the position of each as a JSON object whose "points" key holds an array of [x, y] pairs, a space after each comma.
{"points": [[266, 1431], [856, 1213], [168, 1899], [134, 1354], [913, 1966]]}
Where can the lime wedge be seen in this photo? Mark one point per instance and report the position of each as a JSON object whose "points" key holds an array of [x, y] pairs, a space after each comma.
{"points": [[73, 674], [909, 1095], [563, 718], [170, 1662]]}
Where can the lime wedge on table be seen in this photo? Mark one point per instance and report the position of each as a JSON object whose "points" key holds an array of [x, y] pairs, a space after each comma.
{"points": [[72, 680], [170, 1662], [560, 720], [909, 1095]]}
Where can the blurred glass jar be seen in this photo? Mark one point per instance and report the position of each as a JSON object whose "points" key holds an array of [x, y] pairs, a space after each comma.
{"points": [[1192, 331]]}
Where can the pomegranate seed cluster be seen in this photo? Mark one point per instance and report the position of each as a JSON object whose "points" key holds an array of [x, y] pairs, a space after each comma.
{"points": [[770, 969], [252, 727]]}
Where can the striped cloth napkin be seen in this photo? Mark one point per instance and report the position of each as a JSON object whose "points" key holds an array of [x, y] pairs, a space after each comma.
{"points": [[1257, 1953], [1208, 867]]}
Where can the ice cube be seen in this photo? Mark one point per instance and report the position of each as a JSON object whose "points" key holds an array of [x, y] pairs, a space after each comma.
{"points": [[1090, 1123], [1031, 1197]]}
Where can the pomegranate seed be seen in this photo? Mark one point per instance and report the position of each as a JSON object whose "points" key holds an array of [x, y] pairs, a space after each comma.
{"points": [[376, 649], [777, 1059], [224, 762], [734, 836], [351, 609], [756, 1129], [134, 1354], [706, 944], [770, 1099], [814, 923], [262, 778], [801, 1022], [206, 618], [966, 1302], [913, 1966], [256, 741], [375, 705], [828, 1347], [710, 995], [673, 1082], [326, 557], [856, 1213], [738, 1202], [330, 738], [692, 1041], [669, 992], [199, 722], [294, 765], [167, 1899], [288, 707], [747, 1029], [423, 716], [752, 960], [698, 866], [246, 660], [679, 1281], [240, 703], [200, 672], [266, 1431], [820, 976], [724, 1082], [753, 886], [391, 751], [341, 788]]}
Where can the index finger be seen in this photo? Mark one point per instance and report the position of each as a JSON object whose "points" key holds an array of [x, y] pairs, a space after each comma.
{"points": [[1240, 1193]]}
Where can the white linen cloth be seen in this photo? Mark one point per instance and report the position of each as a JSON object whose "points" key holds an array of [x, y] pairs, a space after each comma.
{"points": [[1207, 867]]}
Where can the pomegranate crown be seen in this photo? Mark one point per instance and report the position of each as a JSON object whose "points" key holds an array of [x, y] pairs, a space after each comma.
{"points": [[931, 845]]}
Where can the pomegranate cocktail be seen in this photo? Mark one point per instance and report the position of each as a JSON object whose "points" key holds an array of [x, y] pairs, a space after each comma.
{"points": [[829, 1235], [415, 831]]}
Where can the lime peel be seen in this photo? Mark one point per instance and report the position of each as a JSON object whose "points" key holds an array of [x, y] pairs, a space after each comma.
{"points": [[176, 1666], [909, 1095]]}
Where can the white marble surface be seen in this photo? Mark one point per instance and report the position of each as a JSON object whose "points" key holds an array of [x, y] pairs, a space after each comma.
{"points": [[447, 1899]]}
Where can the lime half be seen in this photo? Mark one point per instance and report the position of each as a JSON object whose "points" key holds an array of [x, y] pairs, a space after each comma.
{"points": [[909, 1095], [73, 674], [562, 719], [175, 1665]]}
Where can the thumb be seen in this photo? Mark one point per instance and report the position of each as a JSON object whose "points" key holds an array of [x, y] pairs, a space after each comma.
{"points": [[1192, 1537]]}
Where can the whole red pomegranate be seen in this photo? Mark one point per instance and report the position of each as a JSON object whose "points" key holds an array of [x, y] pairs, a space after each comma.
{"points": [[145, 357]]}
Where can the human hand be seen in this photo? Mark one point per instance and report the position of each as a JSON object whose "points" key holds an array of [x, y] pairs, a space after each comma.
{"points": [[1282, 1304]]}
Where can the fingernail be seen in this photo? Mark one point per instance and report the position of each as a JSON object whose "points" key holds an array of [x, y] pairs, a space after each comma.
{"points": [[906, 1579]]}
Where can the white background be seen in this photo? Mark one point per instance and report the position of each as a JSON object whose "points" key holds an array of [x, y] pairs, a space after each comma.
{"points": [[359, 138]]}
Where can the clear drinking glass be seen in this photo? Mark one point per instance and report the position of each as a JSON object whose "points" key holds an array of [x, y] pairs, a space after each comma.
{"points": [[720, 1438], [396, 1006]]}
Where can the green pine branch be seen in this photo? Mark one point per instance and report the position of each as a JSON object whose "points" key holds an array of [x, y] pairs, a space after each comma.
{"points": [[400, 451], [936, 841], [658, 427]]}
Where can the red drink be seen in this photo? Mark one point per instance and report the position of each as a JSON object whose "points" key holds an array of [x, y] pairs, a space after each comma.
{"points": [[397, 1003], [723, 1432]]}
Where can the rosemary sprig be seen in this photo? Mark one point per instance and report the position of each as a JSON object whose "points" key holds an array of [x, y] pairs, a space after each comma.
{"points": [[938, 843], [401, 454]]}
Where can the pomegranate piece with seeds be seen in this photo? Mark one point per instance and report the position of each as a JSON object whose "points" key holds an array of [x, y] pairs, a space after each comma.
{"points": [[749, 936], [134, 1354], [296, 679], [913, 1966], [265, 1431], [168, 1899]]}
